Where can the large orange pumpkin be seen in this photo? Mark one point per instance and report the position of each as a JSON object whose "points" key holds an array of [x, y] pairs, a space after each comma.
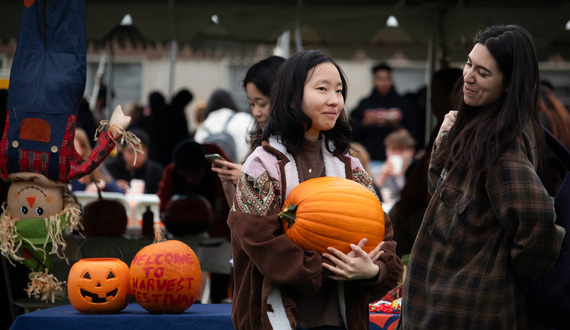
{"points": [[335, 212], [99, 285], [165, 276]]}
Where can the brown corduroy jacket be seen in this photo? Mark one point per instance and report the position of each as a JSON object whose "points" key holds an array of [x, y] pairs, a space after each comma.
{"points": [[268, 265]]}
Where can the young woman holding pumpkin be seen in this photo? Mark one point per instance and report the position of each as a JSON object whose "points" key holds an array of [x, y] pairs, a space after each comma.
{"points": [[277, 284], [489, 227]]}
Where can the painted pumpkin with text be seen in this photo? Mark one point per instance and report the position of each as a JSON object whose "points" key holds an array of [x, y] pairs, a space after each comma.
{"points": [[165, 276]]}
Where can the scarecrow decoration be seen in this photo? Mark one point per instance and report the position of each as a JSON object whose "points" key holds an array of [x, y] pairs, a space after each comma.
{"points": [[37, 155]]}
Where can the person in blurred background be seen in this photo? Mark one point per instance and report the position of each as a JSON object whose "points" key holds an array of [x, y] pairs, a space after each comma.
{"points": [[400, 150], [166, 124], [136, 111], [199, 112], [554, 115], [257, 84], [187, 181], [555, 118], [100, 177], [408, 211], [223, 115], [124, 168], [381, 113]]}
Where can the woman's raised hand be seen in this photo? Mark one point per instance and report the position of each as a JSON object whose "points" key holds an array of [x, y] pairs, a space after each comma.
{"points": [[448, 122]]}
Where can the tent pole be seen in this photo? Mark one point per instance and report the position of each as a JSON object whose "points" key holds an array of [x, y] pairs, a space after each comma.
{"points": [[110, 85], [434, 40], [98, 80], [298, 39], [173, 51], [173, 48]]}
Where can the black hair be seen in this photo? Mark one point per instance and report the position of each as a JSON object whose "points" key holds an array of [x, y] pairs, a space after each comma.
{"points": [[156, 102], [141, 134], [189, 154], [448, 77], [261, 74], [480, 136], [287, 118], [381, 66], [220, 99], [547, 84], [181, 99]]}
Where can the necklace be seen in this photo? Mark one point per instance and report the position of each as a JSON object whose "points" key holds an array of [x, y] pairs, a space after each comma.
{"points": [[307, 163]]}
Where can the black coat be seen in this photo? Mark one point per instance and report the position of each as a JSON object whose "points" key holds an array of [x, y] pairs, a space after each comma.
{"points": [[372, 137], [150, 173]]}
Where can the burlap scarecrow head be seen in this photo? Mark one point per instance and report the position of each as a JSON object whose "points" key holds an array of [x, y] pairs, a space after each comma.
{"points": [[32, 225]]}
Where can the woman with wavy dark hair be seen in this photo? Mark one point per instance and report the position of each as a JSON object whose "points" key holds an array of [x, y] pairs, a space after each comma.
{"points": [[489, 227], [277, 284]]}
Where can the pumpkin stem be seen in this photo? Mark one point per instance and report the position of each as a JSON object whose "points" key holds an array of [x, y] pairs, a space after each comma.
{"points": [[288, 214], [158, 236]]}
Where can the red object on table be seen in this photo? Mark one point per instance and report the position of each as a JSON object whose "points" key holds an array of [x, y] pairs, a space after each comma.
{"points": [[383, 321]]}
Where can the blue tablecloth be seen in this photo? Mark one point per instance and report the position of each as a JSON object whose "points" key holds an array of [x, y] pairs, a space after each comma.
{"points": [[198, 316]]}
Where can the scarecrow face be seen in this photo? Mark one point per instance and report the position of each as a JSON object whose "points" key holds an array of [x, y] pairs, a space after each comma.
{"points": [[29, 200]]}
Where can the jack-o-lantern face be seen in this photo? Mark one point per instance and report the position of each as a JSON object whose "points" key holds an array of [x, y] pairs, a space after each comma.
{"points": [[108, 293], [99, 285]]}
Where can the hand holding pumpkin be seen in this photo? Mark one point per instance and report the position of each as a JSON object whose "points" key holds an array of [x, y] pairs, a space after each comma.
{"points": [[375, 253], [356, 264]]}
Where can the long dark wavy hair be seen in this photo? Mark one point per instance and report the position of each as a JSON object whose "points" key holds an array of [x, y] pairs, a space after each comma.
{"points": [[481, 135], [261, 74], [287, 118]]}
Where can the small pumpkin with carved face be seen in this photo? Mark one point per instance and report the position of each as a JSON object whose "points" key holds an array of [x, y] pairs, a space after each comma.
{"points": [[99, 285]]}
